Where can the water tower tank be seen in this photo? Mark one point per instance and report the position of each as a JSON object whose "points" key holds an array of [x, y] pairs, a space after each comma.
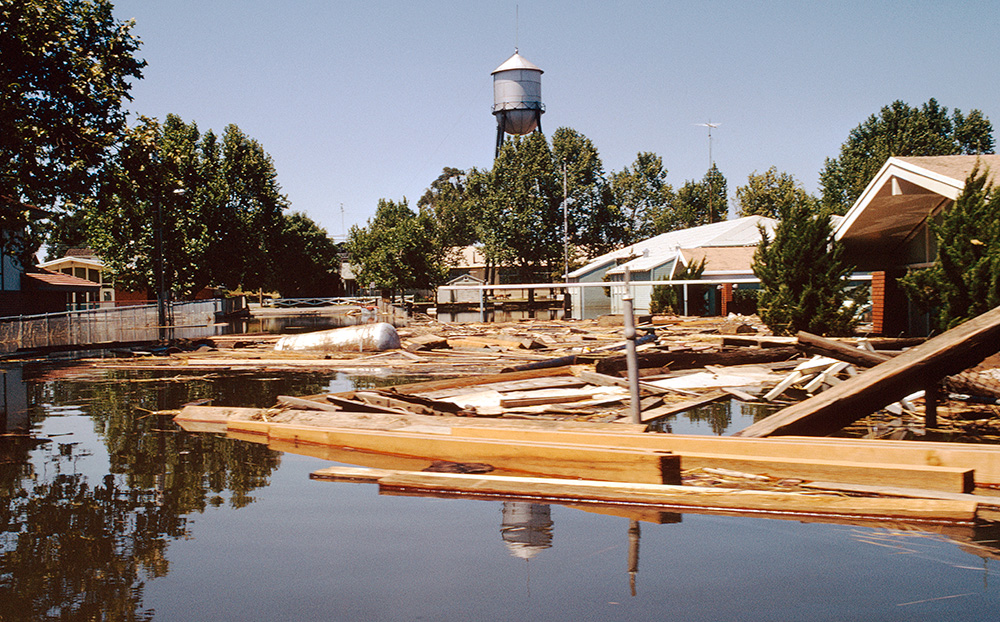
{"points": [[517, 97]]}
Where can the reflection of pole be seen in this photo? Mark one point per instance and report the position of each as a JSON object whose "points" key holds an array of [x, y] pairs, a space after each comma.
{"points": [[631, 358], [633, 553]]}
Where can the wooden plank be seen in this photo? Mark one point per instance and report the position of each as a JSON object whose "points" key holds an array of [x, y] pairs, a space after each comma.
{"points": [[717, 499], [288, 400], [517, 402], [504, 387], [550, 459], [984, 460], [930, 478], [690, 360], [469, 381], [949, 353], [962, 383], [604, 380]]}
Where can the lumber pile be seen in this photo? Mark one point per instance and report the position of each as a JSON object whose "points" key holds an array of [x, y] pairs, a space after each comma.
{"points": [[539, 434]]}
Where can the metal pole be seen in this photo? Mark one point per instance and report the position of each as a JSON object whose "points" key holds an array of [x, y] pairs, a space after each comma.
{"points": [[565, 225], [631, 358]]}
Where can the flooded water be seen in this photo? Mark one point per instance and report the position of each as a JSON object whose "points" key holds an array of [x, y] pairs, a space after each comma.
{"points": [[114, 513]]}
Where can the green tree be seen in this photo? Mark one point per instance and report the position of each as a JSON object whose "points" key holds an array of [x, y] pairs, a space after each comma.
{"points": [[803, 276], [308, 259], [65, 70], [669, 298], [219, 207], [965, 279], [899, 130], [594, 224], [446, 200], [519, 206], [398, 249], [700, 202], [643, 198], [769, 194]]}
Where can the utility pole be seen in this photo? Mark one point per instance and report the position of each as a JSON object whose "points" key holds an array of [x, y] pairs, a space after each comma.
{"points": [[565, 225]]}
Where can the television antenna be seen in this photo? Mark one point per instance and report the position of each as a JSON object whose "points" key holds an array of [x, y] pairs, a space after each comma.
{"points": [[711, 126]]}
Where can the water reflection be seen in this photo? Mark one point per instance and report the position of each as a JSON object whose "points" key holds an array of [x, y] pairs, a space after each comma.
{"points": [[526, 528], [84, 547], [718, 418], [89, 510]]}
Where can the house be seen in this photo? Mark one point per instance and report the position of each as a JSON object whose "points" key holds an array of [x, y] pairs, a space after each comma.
{"points": [[83, 263], [726, 246], [461, 296], [26, 289], [886, 230]]}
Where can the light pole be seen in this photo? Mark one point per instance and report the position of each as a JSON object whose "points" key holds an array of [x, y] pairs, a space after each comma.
{"points": [[565, 225]]}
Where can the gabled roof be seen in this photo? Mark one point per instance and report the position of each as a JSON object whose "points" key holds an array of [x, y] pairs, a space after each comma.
{"points": [[901, 196], [56, 264], [42, 279], [658, 250]]}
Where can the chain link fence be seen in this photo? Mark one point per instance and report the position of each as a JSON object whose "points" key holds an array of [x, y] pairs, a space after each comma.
{"points": [[190, 320]]}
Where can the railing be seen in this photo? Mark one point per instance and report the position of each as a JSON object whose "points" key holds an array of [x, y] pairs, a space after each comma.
{"points": [[369, 301], [136, 323]]}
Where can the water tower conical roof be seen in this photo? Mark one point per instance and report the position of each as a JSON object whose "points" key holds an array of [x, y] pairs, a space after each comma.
{"points": [[516, 62]]}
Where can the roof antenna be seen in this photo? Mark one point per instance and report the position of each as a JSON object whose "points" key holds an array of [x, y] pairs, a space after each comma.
{"points": [[517, 24], [709, 125]]}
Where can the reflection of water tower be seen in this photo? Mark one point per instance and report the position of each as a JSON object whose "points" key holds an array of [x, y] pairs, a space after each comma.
{"points": [[517, 98], [526, 528]]}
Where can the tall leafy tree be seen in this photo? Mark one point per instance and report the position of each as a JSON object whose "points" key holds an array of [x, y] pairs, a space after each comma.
{"points": [[700, 202], [965, 279], [214, 210], [398, 249], [594, 224], [307, 258], [899, 130], [803, 276], [446, 200], [66, 67], [769, 194], [519, 206], [643, 198]]}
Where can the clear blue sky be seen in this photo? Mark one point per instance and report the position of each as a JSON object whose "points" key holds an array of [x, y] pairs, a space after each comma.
{"points": [[357, 101]]}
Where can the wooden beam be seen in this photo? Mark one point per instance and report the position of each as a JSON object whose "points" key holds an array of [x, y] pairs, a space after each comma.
{"points": [[692, 360], [949, 353], [984, 460], [669, 496], [550, 459]]}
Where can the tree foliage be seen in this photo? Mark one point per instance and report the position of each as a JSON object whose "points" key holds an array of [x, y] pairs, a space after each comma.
{"points": [[965, 279], [595, 225], [769, 194], [899, 130], [307, 259], [643, 199], [518, 201], [700, 202], [803, 276], [398, 249], [669, 298], [218, 205], [446, 200], [65, 71]]}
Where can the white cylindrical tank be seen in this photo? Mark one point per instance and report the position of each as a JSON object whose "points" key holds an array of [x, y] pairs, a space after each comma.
{"points": [[517, 95], [361, 338]]}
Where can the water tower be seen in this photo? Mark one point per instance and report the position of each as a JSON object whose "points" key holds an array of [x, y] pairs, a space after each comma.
{"points": [[517, 98]]}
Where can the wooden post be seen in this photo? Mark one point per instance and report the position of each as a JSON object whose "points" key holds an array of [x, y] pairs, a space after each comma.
{"points": [[931, 396], [631, 357]]}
